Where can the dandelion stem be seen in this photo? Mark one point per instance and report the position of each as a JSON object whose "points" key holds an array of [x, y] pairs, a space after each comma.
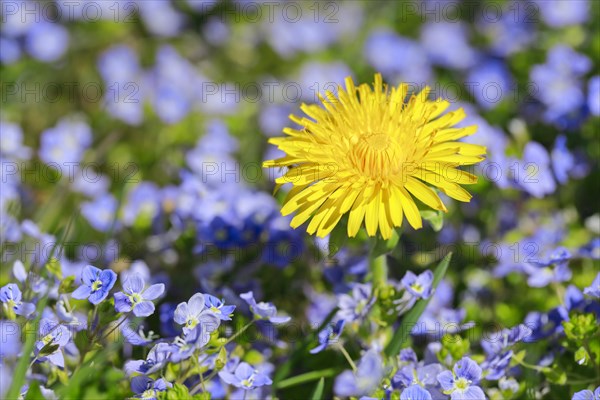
{"points": [[379, 270]]}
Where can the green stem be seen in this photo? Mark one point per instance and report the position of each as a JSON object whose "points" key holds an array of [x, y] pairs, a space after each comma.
{"points": [[307, 377], [379, 270], [345, 353]]}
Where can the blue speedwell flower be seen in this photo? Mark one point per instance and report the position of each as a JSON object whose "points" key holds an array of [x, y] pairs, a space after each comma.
{"points": [[96, 284], [415, 392], [587, 395], [245, 377], [53, 338], [329, 335], [154, 362], [357, 305], [594, 289], [365, 380], [462, 382], [264, 310], [218, 307], [10, 296], [136, 297], [418, 285], [194, 313], [147, 388]]}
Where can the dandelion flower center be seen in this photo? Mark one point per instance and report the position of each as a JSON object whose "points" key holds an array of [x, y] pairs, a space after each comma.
{"points": [[376, 155], [370, 154]]}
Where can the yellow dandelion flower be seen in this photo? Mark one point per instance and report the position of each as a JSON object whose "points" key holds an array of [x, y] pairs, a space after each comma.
{"points": [[370, 153]]}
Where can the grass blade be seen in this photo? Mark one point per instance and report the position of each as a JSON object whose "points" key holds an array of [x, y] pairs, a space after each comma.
{"points": [[18, 379], [307, 377], [411, 318], [318, 393]]}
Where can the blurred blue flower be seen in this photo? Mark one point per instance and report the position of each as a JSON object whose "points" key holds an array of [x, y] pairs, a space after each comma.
{"points": [[122, 75], [512, 31], [172, 85], [160, 18], [587, 395], [462, 381], [142, 204], [317, 78], [264, 310], [11, 297], [91, 183], [169, 105], [491, 81], [307, 34], [283, 245], [591, 250], [215, 31], [562, 160], [47, 41], [419, 286], [217, 139], [168, 326], [255, 211], [147, 388], [11, 142], [330, 334], [559, 13], [273, 118], [553, 267], [365, 380], [594, 289], [65, 143], [194, 313], [10, 52], [10, 337], [53, 338], [557, 82], [96, 284], [594, 95], [447, 44], [136, 297], [385, 52], [218, 307], [100, 212], [356, 306], [415, 392], [534, 173], [245, 377]]}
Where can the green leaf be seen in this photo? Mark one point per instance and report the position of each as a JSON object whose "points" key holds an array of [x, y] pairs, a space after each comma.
{"points": [[556, 376], [582, 357], [411, 318], [177, 392], [34, 392], [338, 238], [435, 218], [221, 359], [53, 267], [67, 285], [318, 393], [381, 246]]}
